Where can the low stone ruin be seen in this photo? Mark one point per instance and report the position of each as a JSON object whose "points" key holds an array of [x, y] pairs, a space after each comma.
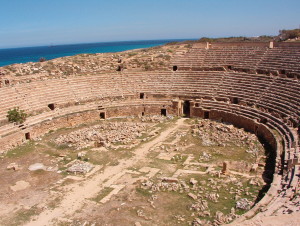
{"points": [[103, 134], [80, 167]]}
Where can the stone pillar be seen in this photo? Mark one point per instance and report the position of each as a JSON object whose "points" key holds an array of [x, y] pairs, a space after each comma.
{"points": [[225, 169], [271, 45], [207, 45], [176, 105], [192, 103], [192, 106]]}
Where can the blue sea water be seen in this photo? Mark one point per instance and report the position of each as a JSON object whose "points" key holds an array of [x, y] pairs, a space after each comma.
{"points": [[33, 54]]}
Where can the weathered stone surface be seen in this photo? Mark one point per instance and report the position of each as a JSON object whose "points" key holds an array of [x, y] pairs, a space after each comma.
{"points": [[254, 167], [20, 185], [193, 196], [243, 204], [225, 169], [170, 179], [37, 166], [193, 181]]}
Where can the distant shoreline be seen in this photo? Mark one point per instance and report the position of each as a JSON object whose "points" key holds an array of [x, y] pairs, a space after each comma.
{"points": [[89, 43], [33, 54]]}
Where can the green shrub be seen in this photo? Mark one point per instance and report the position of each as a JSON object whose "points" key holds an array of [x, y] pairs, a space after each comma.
{"points": [[16, 115], [289, 34]]}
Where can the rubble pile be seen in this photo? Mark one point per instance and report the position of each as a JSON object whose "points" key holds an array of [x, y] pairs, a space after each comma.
{"points": [[80, 167], [215, 133], [156, 118], [203, 194], [103, 134]]}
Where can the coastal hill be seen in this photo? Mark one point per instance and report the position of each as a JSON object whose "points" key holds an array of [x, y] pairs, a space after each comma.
{"points": [[155, 58]]}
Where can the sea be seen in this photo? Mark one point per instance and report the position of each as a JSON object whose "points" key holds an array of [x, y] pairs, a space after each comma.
{"points": [[33, 54]]}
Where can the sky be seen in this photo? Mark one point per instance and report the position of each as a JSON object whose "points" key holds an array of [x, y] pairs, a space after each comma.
{"points": [[45, 22]]}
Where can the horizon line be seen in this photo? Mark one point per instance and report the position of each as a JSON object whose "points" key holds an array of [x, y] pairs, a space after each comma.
{"points": [[82, 43]]}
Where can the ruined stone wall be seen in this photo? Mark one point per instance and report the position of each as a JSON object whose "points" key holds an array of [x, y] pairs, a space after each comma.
{"points": [[41, 128], [138, 110], [74, 119], [11, 141], [64, 121]]}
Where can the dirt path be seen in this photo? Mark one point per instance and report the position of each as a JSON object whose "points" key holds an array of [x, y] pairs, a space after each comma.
{"points": [[79, 192]]}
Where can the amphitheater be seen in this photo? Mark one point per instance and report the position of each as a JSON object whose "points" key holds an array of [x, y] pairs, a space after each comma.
{"points": [[254, 86]]}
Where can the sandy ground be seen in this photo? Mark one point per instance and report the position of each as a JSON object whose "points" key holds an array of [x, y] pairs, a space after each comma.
{"points": [[80, 192]]}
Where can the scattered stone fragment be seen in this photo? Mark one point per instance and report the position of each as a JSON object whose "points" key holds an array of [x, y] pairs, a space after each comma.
{"points": [[213, 197], [37, 166], [220, 218], [193, 181], [180, 218], [193, 196], [170, 179], [206, 213], [81, 155], [197, 222], [254, 167], [141, 213], [243, 204], [232, 211], [205, 156], [13, 166], [200, 205]]}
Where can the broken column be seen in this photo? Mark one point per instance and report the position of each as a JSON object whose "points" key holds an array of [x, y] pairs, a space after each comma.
{"points": [[225, 169]]}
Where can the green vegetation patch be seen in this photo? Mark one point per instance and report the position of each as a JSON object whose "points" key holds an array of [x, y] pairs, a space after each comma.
{"points": [[104, 192], [21, 216], [16, 115], [21, 150]]}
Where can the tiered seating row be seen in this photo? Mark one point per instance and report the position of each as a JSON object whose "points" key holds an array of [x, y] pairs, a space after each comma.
{"points": [[285, 60], [275, 95]]}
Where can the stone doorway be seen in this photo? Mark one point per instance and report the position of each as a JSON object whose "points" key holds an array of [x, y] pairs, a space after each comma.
{"points": [[186, 108]]}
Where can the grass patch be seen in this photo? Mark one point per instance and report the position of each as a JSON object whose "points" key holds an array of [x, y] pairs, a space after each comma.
{"points": [[21, 150], [54, 203], [111, 156], [62, 146], [21, 216], [102, 194], [143, 192]]}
